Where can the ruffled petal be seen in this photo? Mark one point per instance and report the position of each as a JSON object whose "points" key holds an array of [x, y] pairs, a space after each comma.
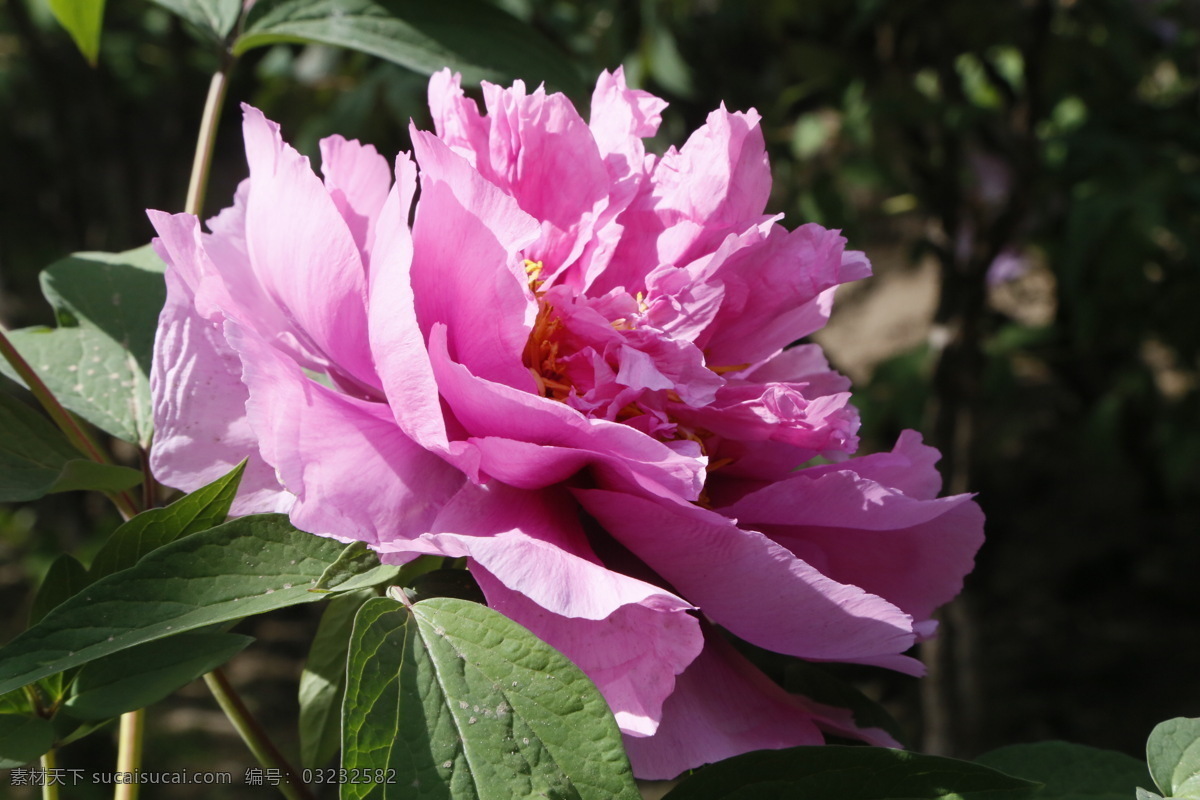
{"points": [[548, 438], [466, 272], [303, 253], [914, 551], [775, 291], [632, 655], [788, 607], [715, 185], [722, 706], [358, 180], [356, 476], [621, 117], [201, 430]]}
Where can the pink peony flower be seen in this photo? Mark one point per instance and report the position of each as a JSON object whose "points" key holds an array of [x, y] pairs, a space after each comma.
{"points": [[572, 368]]}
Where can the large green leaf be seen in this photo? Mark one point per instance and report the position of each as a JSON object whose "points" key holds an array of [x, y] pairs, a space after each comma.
{"points": [[97, 361], [323, 681], [453, 700], [143, 675], [1173, 752], [82, 19], [214, 18], [844, 773], [244, 567], [36, 459], [65, 577], [22, 739], [204, 508], [469, 36], [1071, 771]]}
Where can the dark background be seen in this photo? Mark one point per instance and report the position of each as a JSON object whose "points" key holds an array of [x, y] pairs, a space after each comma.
{"points": [[1058, 136]]}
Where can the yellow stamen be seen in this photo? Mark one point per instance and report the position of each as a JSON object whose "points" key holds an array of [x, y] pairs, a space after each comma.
{"points": [[723, 368]]}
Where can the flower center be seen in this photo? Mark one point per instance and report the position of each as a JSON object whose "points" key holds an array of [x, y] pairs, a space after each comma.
{"points": [[596, 355]]}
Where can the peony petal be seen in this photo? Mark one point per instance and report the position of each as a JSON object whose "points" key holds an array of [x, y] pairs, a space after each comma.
{"points": [[303, 253], [397, 343], [789, 606], [911, 550], [722, 706], [715, 185], [532, 542], [201, 430], [803, 363], [456, 119], [542, 153], [466, 272], [355, 474], [358, 179], [535, 565], [621, 117], [492, 411], [774, 292]]}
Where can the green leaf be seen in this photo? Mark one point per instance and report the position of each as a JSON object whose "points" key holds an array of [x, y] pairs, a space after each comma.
{"points": [[204, 508], [15, 702], [452, 699], [81, 474], [469, 36], [98, 359], [323, 681], [82, 19], [143, 675], [1071, 771], [844, 773], [65, 578], [357, 567], [247, 566], [23, 739], [36, 459], [1173, 752], [215, 18]]}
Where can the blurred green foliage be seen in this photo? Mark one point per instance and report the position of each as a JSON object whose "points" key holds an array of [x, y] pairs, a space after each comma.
{"points": [[1057, 139]]}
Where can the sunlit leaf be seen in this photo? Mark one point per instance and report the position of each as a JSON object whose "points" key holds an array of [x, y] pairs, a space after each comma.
{"points": [[244, 567], [1173, 752], [82, 19], [452, 699], [97, 361], [204, 508]]}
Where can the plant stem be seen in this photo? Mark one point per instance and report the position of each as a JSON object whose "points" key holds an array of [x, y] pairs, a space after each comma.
{"points": [[255, 737], [49, 786], [207, 138], [129, 752], [76, 434]]}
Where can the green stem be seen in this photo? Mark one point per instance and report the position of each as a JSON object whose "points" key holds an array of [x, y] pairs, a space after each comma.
{"points": [[75, 433], [49, 787], [254, 736], [129, 752], [207, 139]]}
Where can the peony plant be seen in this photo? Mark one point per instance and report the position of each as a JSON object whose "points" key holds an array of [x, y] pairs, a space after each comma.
{"points": [[532, 345], [529, 348]]}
